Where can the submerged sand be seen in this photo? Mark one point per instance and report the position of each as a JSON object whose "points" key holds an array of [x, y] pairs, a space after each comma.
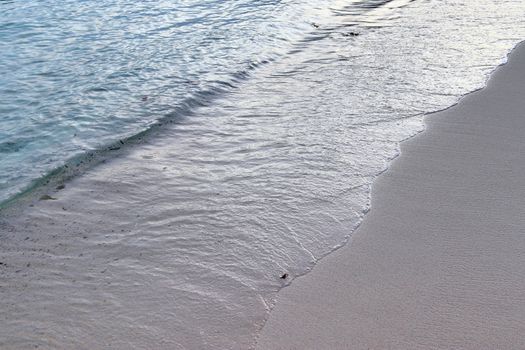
{"points": [[439, 262]]}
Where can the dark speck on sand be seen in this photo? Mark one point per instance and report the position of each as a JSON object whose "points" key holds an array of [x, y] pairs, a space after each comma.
{"points": [[47, 197]]}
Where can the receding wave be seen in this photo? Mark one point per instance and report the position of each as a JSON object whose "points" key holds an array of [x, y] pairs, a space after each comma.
{"points": [[19, 183]]}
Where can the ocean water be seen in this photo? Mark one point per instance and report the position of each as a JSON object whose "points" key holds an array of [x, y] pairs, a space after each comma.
{"points": [[206, 149], [77, 76]]}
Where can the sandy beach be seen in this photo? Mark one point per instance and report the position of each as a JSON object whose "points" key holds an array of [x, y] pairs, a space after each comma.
{"points": [[196, 175], [439, 262]]}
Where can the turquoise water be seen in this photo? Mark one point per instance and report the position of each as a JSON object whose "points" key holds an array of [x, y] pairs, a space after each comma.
{"points": [[78, 76]]}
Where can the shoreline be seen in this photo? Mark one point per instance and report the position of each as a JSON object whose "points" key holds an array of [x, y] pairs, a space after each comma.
{"points": [[455, 286], [184, 238]]}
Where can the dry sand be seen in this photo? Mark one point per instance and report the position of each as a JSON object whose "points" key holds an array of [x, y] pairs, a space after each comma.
{"points": [[439, 262]]}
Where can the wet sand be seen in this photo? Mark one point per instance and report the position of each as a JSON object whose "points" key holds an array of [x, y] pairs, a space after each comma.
{"points": [[439, 262]]}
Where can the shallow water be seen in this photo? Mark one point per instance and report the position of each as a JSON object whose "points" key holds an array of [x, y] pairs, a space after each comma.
{"points": [[76, 76], [179, 241]]}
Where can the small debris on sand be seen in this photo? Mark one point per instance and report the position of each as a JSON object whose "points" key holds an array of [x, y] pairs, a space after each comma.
{"points": [[47, 197]]}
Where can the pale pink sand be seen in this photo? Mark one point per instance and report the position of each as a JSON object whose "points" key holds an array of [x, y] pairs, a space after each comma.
{"points": [[439, 262]]}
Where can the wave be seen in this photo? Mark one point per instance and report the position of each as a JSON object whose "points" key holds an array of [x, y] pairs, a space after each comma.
{"points": [[79, 163]]}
